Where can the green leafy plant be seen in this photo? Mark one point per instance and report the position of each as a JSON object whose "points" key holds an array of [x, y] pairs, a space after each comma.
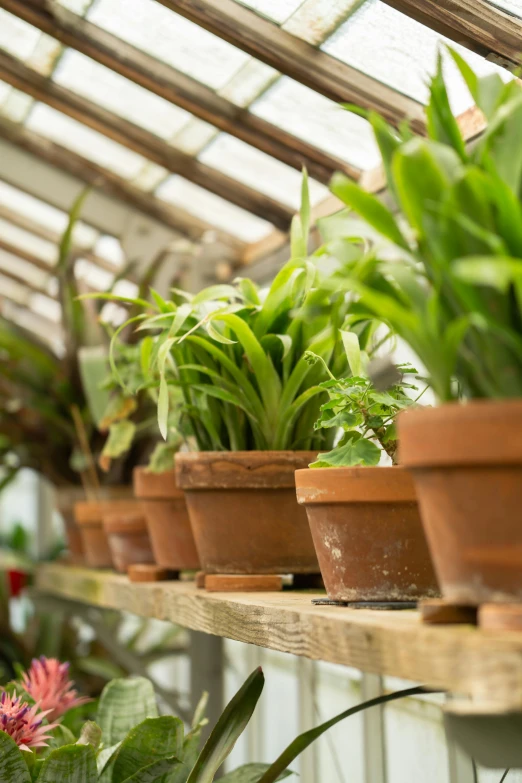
{"points": [[237, 354], [131, 743], [364, 414], [445, 272]]}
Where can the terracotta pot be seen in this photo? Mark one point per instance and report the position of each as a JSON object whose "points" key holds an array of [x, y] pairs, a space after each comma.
{"points": [[243, 511], [167, 520], [466, 461], [367, 533], [128, 539], [65, 499], [89, 517]]}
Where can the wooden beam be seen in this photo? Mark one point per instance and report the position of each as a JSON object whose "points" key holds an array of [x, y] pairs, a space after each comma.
{"points": [[24, 255], [476, 24], [39, 230], [21, 280], [296, 58], [110, 183], [142, 141], [177, 88]]}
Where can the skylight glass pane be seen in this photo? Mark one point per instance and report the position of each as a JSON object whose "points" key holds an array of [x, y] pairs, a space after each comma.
{"points": [[78, 6], [249, 83], [97, 278], [116, 93], [306, 114], [171, 38], [16, 36], [28, 242], [402, 53], [277, 10], [5, 89], [44, 214], [17, 106], [315, 20], [213, 209], [194, 136], [33, 275], [46, 307], [110, 249], [85, 141], [13, 290], [259, 170], [511, 6]]}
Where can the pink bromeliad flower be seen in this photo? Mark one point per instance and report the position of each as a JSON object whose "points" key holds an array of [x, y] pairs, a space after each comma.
{"points": [[48, 683], [23, 722]]}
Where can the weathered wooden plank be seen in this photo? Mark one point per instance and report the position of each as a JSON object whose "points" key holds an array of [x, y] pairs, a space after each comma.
{"points": [[476, 24], [486, 666], [111, 184], [176, 87], [296, 58]]}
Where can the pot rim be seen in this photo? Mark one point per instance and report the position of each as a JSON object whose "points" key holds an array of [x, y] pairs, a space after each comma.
{"points": [[211, 470], [92, 512], [325, 486], [475, 433]]}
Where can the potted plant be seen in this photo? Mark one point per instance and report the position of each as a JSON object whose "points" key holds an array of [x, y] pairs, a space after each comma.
{"points": [[364, 517], [446, 275], [237, 353]]}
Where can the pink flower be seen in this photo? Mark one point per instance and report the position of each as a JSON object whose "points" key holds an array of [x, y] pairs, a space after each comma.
{"points": [[23, 723], [48, 683]]}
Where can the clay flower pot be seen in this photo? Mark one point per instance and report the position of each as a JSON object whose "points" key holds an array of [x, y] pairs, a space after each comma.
{"points": [[466, 461], [89, 517], [367, 533], [167, 519], [65, 498], [128, 539], [244, 513]]}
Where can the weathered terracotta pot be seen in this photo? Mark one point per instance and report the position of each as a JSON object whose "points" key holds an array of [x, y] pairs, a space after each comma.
{"points": [[367, 533], [65, 499], [167, 518], [243, 511], [89, 517], [466, 461], [128, 539]]}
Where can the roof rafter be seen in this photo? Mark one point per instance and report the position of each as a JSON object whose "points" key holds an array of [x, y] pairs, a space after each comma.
{"points": [[142, 141], [21, 280], [177, 88], [476, 24], [47, 324], [110, 183], [298, 59]]}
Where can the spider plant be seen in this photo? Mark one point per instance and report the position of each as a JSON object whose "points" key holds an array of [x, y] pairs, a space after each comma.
{"points": [[237, 354], [445, 271]]}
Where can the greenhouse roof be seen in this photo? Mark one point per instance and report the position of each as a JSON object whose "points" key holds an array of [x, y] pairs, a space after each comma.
{"points": [[192, 119]]}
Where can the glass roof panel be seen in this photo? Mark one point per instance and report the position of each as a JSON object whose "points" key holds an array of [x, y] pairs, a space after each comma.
{"points": [[78, 6], [24, 240], [97, 278], [402, 53], [85, 141], [305, 113], [44, 214], [171, 38], [16, 36], [214, 209], [110, 249], [17, 105], [46, 307], [5, 91], [315, 20], [194, 136], [13, 290], [277, 10], [246, 85], [511, 6], [118, 94], [29, 272], [257, 169]]}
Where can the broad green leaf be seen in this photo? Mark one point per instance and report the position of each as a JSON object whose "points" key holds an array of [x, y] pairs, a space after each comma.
{"points": [[106, 758], [91, 734], [228, 729], [215, 335], [356, 452], [250, 773], [353, 352], [486, 90], [13, 767], [161, 771], [442, 124], [71, 763], [298, 247], [216, 292], [154, 739], [368, 207], [121, 435], [123, 704]]}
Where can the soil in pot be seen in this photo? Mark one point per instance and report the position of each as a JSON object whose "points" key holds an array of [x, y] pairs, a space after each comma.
{"points": [[128, 539], [466, 461], [167, 518], [243, 511], [89, 517], [367, 533]]}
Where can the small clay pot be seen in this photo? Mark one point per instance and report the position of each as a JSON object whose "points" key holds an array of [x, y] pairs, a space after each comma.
{"points": [[367, 533], [65, 498], [243, 511], [128, 539], [89, 517], [466, 461], [167, 518]]}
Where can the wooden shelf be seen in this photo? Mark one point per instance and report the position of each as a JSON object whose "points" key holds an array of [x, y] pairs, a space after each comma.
{"points": [[462, 659]]}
